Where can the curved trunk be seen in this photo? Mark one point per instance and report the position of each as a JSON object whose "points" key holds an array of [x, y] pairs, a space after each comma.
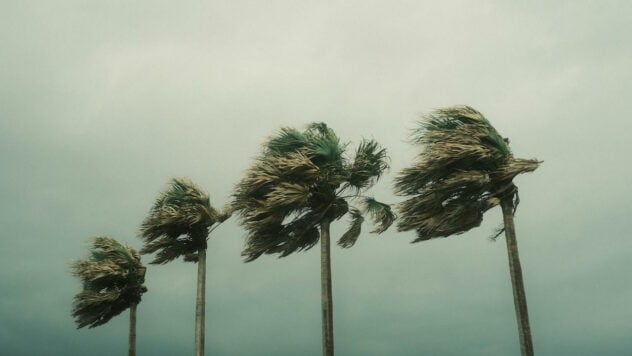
{"points": [[199, 304], [520, 299], [132, 330], [325, 281]]}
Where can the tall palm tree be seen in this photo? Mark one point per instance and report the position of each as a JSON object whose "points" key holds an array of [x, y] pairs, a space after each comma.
{"points": [[178, 225], [465, 169], [112, 278], [301, 182]]}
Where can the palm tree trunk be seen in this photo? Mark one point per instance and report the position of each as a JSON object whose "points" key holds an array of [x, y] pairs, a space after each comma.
{"points": [[132, 330], [520, 298], [199, 305], [326, 297]]}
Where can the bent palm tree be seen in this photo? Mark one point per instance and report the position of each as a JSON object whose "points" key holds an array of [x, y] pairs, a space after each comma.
{"points": [[465, 169], [178, 225], [112, 278], [297, 187]]}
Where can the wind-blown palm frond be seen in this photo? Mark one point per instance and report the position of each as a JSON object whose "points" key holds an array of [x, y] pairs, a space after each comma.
{"points": [[369, 164], [464, 169], [380, 213], [350, 237], [296, 182], [112, 278], [178, 223]]}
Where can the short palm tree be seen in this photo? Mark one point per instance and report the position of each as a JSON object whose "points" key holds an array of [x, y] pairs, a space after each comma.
{"points": [[112, 278], [178, 225], [465, 169], [300, 183]]}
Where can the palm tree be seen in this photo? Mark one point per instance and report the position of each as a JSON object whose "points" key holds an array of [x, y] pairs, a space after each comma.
{"points": [[300, 183], [178, 225], [465, 169], [112, 278]]}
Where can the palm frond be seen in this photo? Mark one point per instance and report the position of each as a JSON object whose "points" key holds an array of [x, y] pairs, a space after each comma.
{"points": [[350, 237], [288, 140], [287, 195], [324, 147], [380, 213], [369, 164]]}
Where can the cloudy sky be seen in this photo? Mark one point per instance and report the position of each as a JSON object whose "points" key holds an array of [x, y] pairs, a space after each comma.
{"points": [[102, 101]]}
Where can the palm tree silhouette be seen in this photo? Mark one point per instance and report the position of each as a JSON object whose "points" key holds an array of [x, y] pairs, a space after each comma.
{"points": [[301, 182], [178, 225], [112, 278], [465, 169]]}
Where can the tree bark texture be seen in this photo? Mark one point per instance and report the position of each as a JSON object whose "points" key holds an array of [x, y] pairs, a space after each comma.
{"points": [[200, 304], [515, 270], [326, 297], [132, 330]]}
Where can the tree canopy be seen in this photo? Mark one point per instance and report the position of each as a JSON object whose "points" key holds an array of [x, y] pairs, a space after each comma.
{"points": [[464, 169], [301, 178], [112, 278], [179, 222]]}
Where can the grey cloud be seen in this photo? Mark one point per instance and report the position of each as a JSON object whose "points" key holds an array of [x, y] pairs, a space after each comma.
{"points": [[101, 102]]}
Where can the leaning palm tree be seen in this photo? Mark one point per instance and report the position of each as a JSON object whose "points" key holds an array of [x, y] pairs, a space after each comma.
{"points": [[178, 225], [112, 278], [301, 182], [465, 169]]}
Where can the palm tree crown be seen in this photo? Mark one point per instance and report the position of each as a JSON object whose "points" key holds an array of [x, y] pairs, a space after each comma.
{"points": [[179, 222], [112, 278], [465, 169], [301, 179]]}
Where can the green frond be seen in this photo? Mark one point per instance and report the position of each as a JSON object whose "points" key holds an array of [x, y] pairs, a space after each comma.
{"points": [[288, 140], [350, 237], [320, 129], [380, 213], [369, 164], [324, 147], [325, 151]]}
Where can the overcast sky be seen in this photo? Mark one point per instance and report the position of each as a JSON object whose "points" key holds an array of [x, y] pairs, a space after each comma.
{"points": [[102, 101]]}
